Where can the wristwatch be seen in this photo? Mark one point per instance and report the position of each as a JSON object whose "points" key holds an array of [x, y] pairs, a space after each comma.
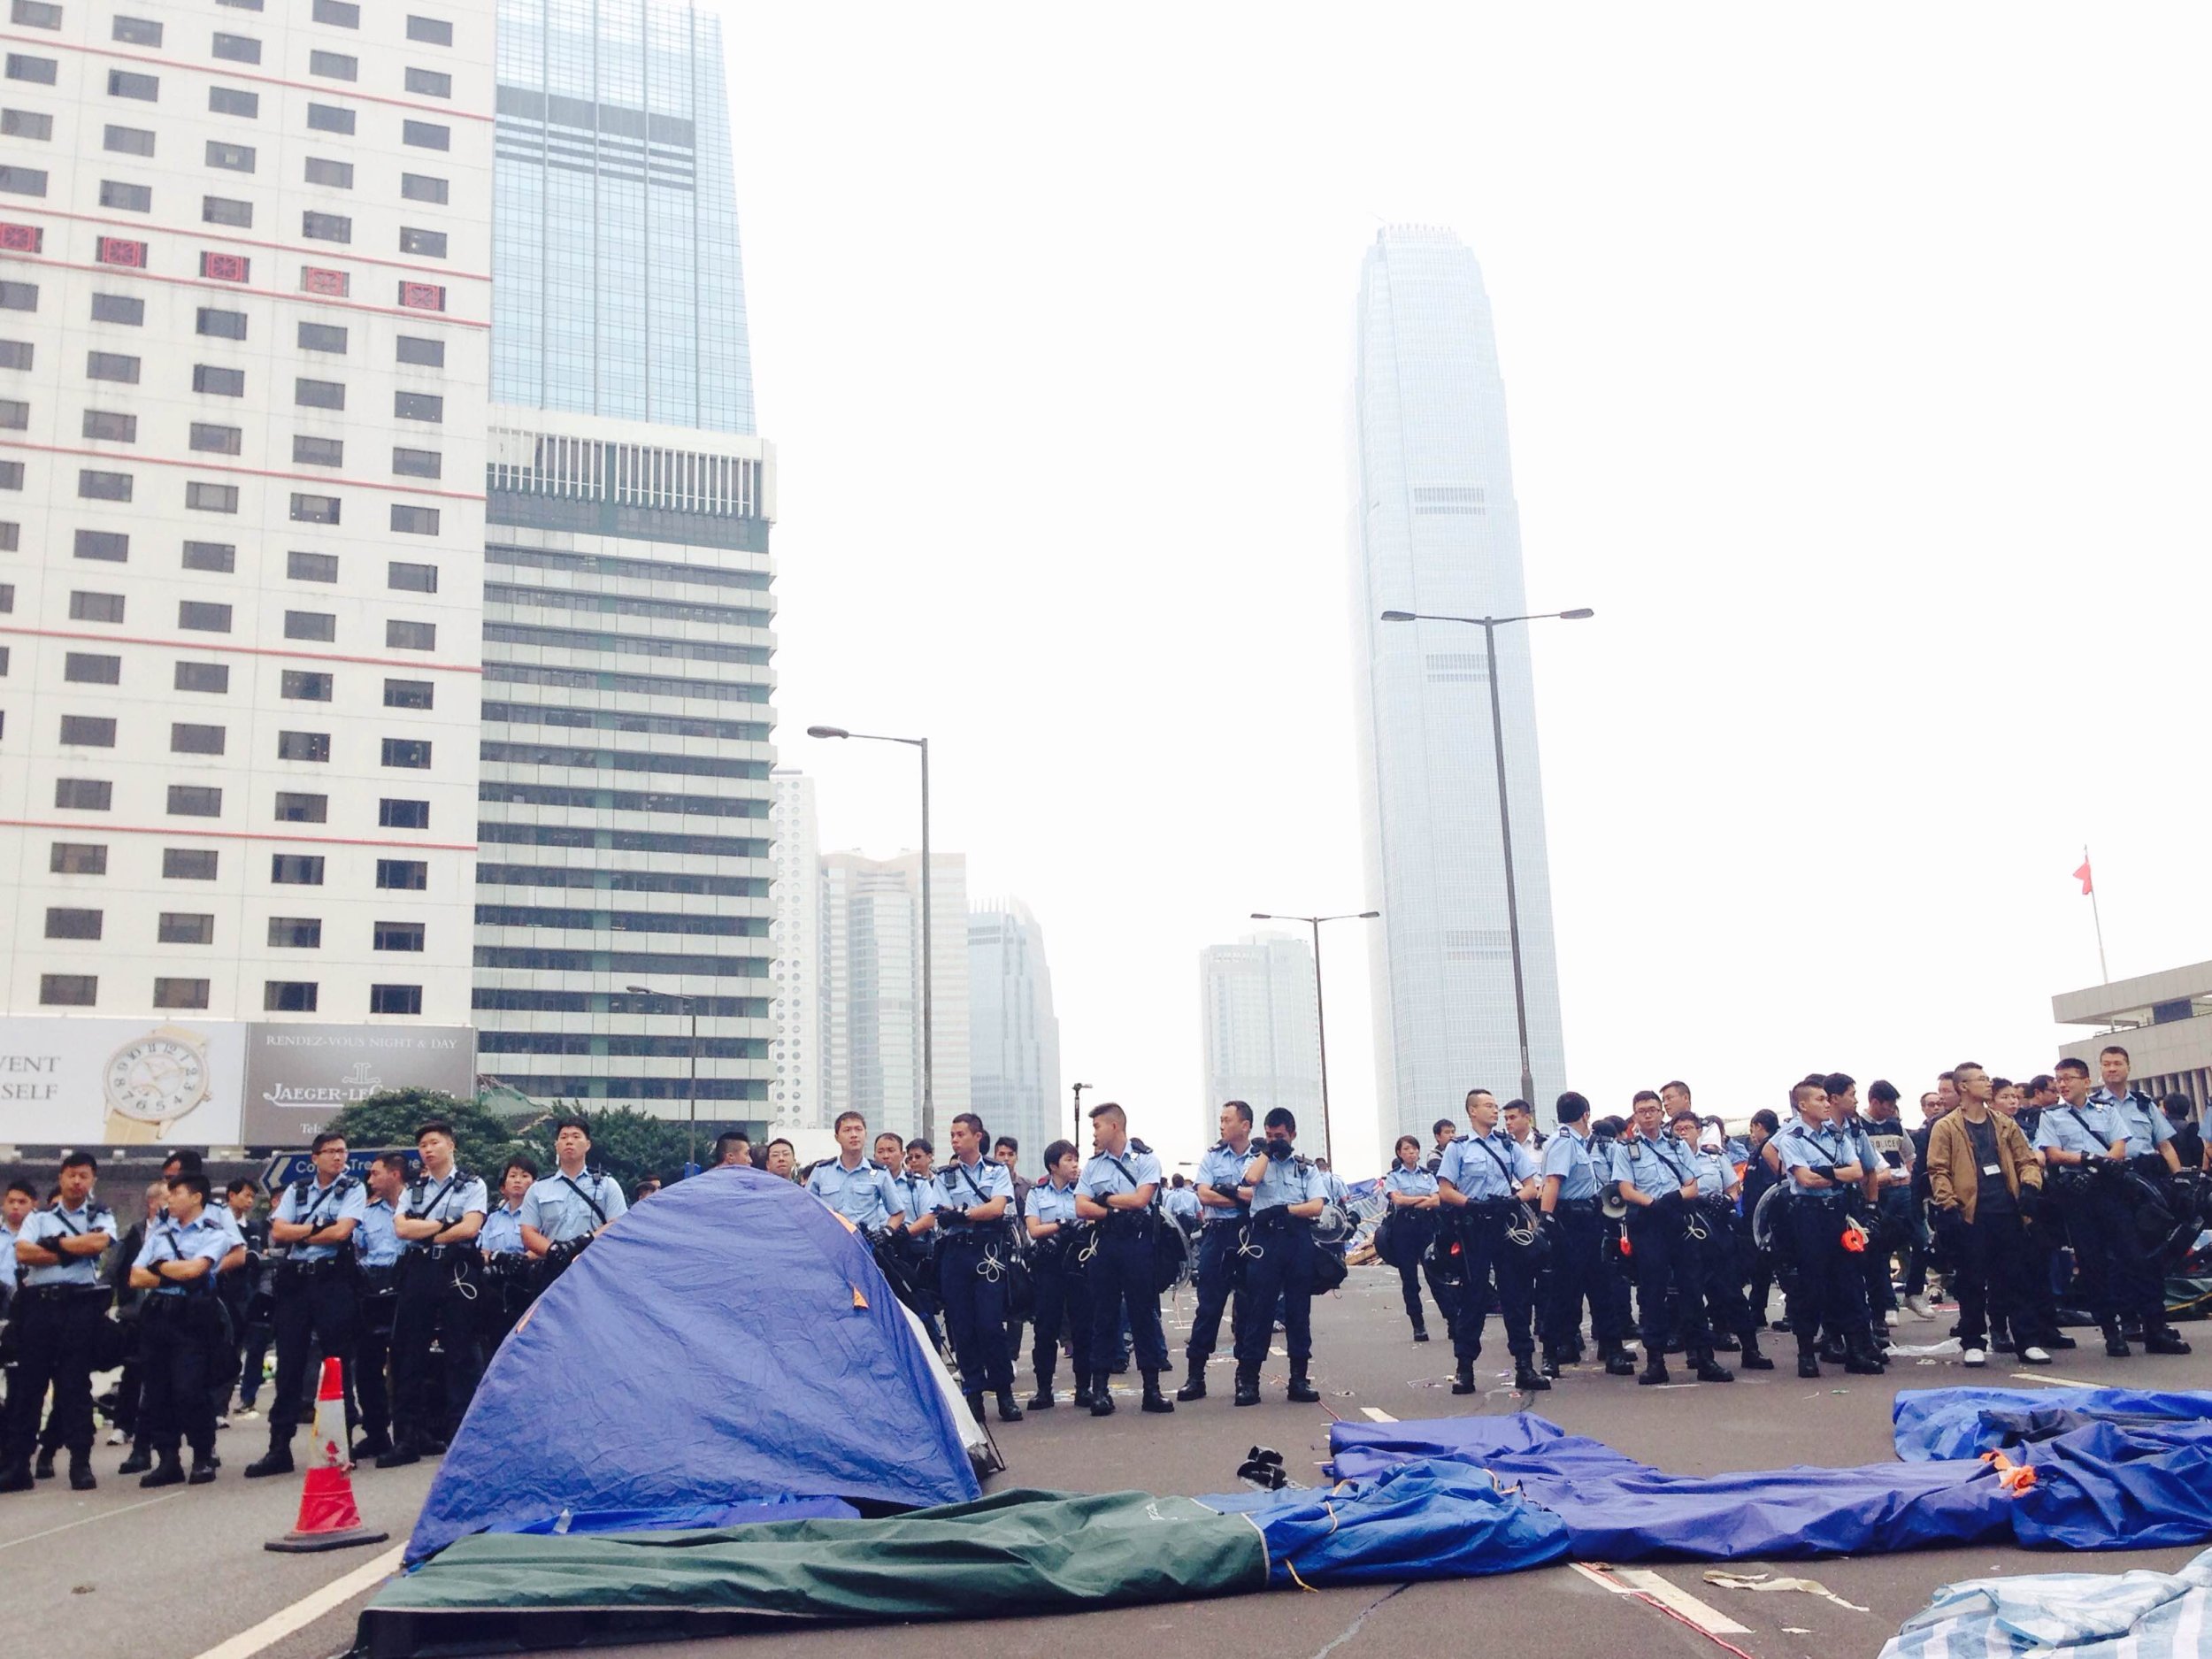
{"points": [[153, 1081]]}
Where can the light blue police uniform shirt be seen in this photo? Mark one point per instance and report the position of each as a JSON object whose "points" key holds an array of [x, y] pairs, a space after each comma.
{"points": [[2092, 1132], [324, 1207], [1049, 1202], [1715, 1173], [1182, 1203], [203, 1239], [1655, 1168], [918, 1195], [865, 1196], [1415, 1183], [502, 1232], [1223, 1170], [1102, 1178], [1470, 1166], [971, 1186], [374, 1243], [1802, 1147], [1567, 1154], [42, 1227], [447, 1202], [555, 1207], [1284, 1181], [2140, 1121]]}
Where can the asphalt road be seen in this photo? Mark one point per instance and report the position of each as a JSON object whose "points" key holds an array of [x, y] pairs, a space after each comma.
{"points": [[183, 1571]]}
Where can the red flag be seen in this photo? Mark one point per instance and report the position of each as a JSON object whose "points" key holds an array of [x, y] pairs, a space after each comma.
{"points": [[2081, 874]]}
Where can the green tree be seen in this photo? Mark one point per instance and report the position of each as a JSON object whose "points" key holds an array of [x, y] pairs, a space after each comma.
{"points": [[390, 1116], [626, 1143]]}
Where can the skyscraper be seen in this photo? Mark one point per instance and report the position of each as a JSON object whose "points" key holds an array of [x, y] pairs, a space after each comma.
{"points": [[1262, 1034], [1437, 529], [1013, 1034], [614, 235], [871, 970], [794, 933]]}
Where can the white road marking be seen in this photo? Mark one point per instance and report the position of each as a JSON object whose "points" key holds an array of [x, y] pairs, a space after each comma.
{"points": [[2057, 1382], [143, 1503], [1278, 1353], [1711, 1620], [1604, 1580], [1376, 1414], [308, 1608]]}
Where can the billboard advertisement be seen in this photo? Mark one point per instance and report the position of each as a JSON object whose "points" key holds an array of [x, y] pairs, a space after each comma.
{"points": [[299, 1077]]}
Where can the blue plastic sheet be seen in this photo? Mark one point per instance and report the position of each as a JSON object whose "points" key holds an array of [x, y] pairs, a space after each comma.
{"points": [[2065, 1616], [729, 1342], [1936, 1422]]}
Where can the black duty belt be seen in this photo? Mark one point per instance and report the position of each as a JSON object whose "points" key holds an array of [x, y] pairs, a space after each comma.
{"points": [[1577, 1206], [62, 1292]]}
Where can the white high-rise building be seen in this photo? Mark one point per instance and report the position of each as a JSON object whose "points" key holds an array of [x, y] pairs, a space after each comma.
{"points": [[245, 287], [1013, 1034], [871, 957], [795, 1097], [1262, 1033]]}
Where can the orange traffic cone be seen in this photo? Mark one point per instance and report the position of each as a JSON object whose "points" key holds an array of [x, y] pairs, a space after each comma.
{"points": [[328, 1518]]}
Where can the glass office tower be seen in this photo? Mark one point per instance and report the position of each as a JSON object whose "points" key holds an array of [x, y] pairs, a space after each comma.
{"points": [[1436, 530], [618, 289]]}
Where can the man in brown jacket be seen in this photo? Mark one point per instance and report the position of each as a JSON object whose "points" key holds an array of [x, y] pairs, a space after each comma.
{"points": [[1986, 1182]]}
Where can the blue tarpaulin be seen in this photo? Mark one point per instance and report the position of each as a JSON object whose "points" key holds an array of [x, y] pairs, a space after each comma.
{"points": [[2065, 1616], [1932, 1423], [713, 1349]]}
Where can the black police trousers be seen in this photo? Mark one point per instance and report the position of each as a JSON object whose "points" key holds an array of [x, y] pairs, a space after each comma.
{"points": [[1215, 1277], [436, 1298], [179, 1336], [1720, 1276], [1829, 1291], [1121, 1281], [1576, 1275], [310, 1312], [1278, 1267], [1665, 1261], [373, 1317], [2118, 1278], [54, 1331], [971, 1284], [1063, 1303], [1490, 1258]]}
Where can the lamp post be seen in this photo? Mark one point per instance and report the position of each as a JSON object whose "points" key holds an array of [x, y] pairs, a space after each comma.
{"points": [[929, 1048], [1079, 1087], [691, 1007], [1320, 1023], [1490, 626]]}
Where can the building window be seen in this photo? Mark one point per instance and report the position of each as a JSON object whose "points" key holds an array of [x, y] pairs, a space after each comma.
{"points": [[122, 84], [222, 209], [19, 296], [326, 226], [36, 14], [311, 567], [119, 308], [395, 999], [416, 578], [310, 625], [32, 181], [430, 31], [104, 425], [39, 70], [84, 858], [213, 676], [322, 337], [413, 752], [233, 101], [296, 870], [174, 993], [305, 745], [333, 65], [220, 557], [72, 924], [403, 875], [420, 186], [403, 814], [18, 353], [197, 616], [430, 84], [410, 636], [213, 440], [211, 497], [237, 49], [302, 808], [31, 124], [325, 118], [93, 485], [183, 927], [194, 800], [188, 739], [68, 990], [230, 158], [137, 32], [389, 935], [85, 607], [188, 864], [83, 794], [288, 997], [425, 135], [319, 393], [428, 243], [15, 415], [129, 198], [318, 451], [303, 687], [218, 323], [91, 731], [426, 353], [339, 14], [418, 406], [407, 694], [111, 365], [219, 382], [314, 509], [89, 668], [417, 463], [10, 475], [415, 521]]}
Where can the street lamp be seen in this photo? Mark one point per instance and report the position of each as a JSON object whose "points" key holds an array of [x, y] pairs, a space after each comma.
{"points": [[691, 1007], [1079, 1087], [1490, 626], [929, 1048], [1320, 1023]]}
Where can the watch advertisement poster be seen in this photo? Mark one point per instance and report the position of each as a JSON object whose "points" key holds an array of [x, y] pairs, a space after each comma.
{"points": [[120, 1082], [299, 1077]]}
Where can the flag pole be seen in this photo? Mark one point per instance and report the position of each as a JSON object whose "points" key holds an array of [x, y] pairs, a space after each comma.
{"points": [[2096, 916]]}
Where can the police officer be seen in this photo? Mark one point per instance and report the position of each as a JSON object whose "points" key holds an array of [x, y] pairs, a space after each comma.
{"points": [[1287, 1193], [1181, 1203], [1872, 1263], [314, 1301], [1486, 1178], [58, 1311], [972, 1259], [180, 1329], [506, 1258], [1657, 1176], [376, 1252], [1223, 1212], [1576, 1269], [1711, 1241], [1116, 1190], [438, 1221], [1891, 1188], [571, 1207], [920, 1196], [1410, 1193], [1820, 1163], [2150, 1133], [857, 1187], [1062, 1281]]}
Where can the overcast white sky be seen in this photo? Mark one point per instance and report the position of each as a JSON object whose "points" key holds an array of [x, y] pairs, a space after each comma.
{"points": [[1856, 361]]}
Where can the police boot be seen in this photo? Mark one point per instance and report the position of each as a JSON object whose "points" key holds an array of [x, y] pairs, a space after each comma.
{"points": [[16, 1477], [1859, 1360], [168, 1473], [1420, 1332], [1247, 1388], [409, 1450], [1008, 1408], [2116, 1345], [203, 1471], [141, 1459], [81, 1476], [1752, 1359], [1527, 1379], [1709, 1369], [1809, 1365], [42, 1466], [1654, 1371], [1464, 1378], [276, 1461], [1154, 1400], [1082, 1400], [975, 1406], [1619, 1361], [1301, 1391], [1552, 1366], [1194, 1386], [1043, 1400], [1103, 1395], [2164, 1340]]}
